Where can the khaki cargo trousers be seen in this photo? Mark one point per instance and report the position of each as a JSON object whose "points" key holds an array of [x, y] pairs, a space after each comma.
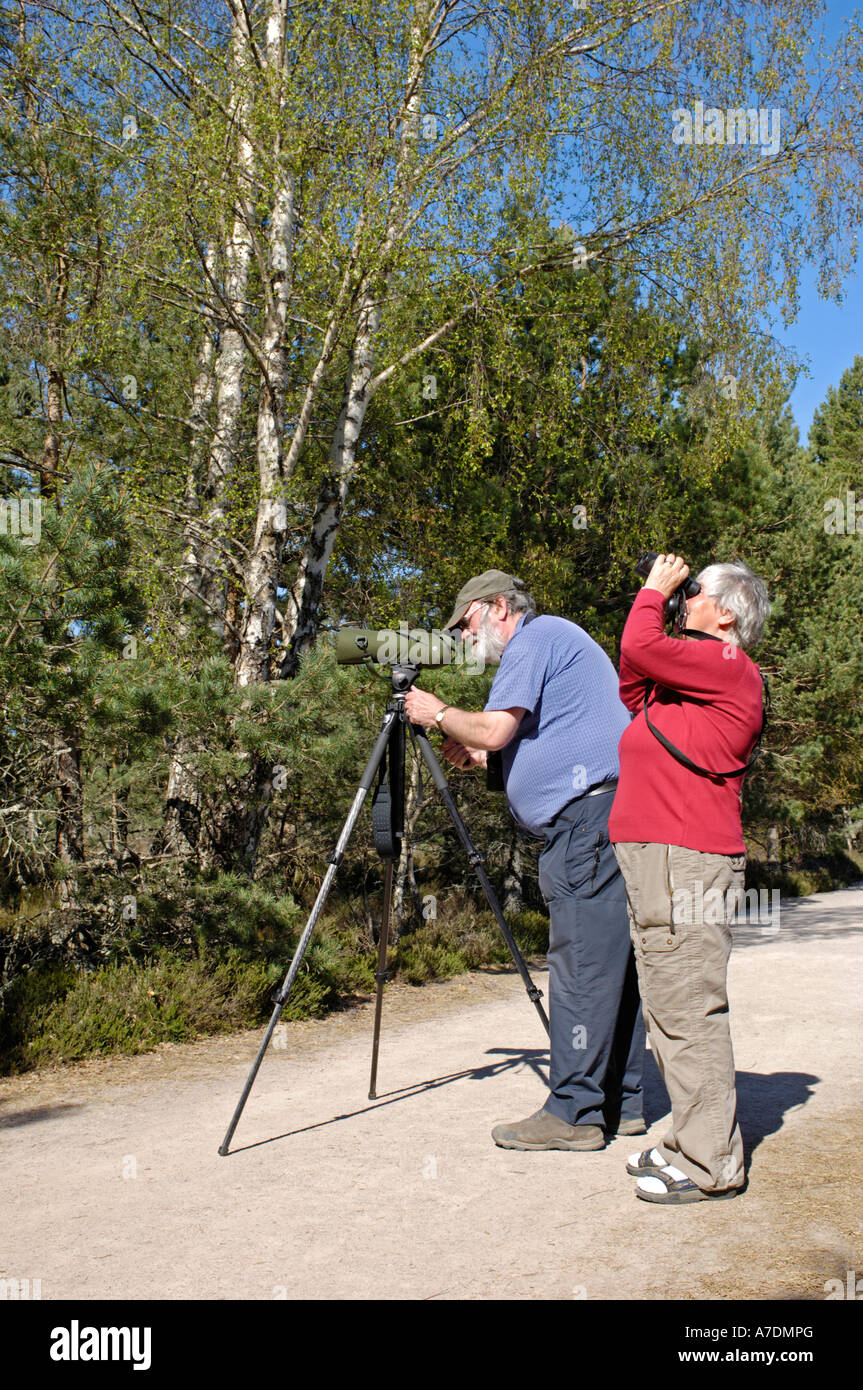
{"points": [[680, 903]]}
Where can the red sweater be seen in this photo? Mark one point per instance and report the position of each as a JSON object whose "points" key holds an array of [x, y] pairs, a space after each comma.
{"points": [[707, 702]]}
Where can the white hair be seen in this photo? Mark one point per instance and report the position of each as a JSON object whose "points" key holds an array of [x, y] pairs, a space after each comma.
{"points": [[518, 600], [735, 587]]}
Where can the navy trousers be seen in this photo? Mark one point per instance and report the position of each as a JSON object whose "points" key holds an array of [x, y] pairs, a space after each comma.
{"points": [[597, 1026]]}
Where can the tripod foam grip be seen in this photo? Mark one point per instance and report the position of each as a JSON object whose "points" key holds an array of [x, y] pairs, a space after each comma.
{"points": [[386, 841]]}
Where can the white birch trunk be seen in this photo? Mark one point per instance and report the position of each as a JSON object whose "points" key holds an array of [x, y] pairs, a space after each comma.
{"points": [[262, 571], [513, 880], [301, 623], [182, 800], [230, 362], [203, 392], [200, 575], [234, 837]]}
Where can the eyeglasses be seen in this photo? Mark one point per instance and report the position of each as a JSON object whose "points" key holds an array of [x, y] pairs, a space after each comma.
{"points": [[465, 622]]}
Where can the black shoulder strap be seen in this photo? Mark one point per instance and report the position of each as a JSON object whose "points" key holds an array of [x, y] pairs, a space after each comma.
{"points": [[687, 762]]}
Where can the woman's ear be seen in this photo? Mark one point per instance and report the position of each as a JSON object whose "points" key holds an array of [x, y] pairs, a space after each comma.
{"points": [[725, 617]]}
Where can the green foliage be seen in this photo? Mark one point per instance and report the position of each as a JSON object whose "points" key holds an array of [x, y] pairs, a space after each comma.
{"points": [[805, 874], [431, 954], [63, 1016], [58, 1014], [555, 395], [774, 512], [31, 995], [530, 930], [465, 939]]}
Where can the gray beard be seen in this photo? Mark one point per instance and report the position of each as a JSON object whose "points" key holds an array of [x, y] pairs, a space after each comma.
{"points": [[488, 646]]}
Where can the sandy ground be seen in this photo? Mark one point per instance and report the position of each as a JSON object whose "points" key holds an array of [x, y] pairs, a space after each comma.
{"points": [[117, 1189]]}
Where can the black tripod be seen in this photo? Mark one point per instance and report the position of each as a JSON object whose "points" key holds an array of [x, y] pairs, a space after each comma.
{"points": [[388, 822]]}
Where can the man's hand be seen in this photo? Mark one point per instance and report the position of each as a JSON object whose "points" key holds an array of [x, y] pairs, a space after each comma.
{"points": [[460, 756], [474, 730], [422, 707], [667, 574]]}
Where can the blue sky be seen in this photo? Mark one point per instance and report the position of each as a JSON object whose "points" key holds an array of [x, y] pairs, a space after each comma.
{"points": [[828, 334]]}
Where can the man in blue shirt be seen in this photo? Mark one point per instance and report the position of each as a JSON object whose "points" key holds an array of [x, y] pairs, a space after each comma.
{"points": [[555, 716]]}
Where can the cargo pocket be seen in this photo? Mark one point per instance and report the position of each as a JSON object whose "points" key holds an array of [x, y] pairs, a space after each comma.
{"points": [[648, 886], [654, 941]]}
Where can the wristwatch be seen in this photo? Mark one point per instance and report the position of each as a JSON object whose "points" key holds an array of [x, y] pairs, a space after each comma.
{"points": [[440, 714]]}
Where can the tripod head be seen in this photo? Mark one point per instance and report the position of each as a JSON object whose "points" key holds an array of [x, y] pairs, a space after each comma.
{"points": [[402, 677]]}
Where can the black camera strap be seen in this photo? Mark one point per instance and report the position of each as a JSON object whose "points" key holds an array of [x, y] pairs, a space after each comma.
{"points": [[687, 762]]}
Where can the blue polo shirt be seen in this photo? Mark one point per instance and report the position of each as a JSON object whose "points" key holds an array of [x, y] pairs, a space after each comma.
{"points": [[567, 740]]}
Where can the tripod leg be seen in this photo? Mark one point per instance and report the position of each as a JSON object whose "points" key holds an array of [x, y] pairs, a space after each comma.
{"points": [[382, 972], [475, 858], [366, 780]]}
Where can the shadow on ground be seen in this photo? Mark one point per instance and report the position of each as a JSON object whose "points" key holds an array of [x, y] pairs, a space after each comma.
{"points": [[762, 1101], [42, 1112]]}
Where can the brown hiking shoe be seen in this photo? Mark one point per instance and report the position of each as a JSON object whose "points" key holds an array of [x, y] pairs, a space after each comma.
{"points": [[545, 1131], [626, 1127]]}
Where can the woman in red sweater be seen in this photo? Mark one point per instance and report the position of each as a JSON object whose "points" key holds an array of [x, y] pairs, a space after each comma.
{"points": [[678, 840]]}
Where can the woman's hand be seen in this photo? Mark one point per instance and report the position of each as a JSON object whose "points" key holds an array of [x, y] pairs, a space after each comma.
{"points": [[667, 574]]}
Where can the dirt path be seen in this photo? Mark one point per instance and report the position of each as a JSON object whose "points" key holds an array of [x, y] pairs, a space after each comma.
{"points": [[118, 1191]]}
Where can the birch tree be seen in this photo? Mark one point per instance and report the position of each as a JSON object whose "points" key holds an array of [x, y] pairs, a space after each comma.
{"points": [[221, 368], [670, 140]]}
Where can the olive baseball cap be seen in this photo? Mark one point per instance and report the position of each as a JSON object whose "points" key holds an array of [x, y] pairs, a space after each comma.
{"points": [[483, 589]]}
